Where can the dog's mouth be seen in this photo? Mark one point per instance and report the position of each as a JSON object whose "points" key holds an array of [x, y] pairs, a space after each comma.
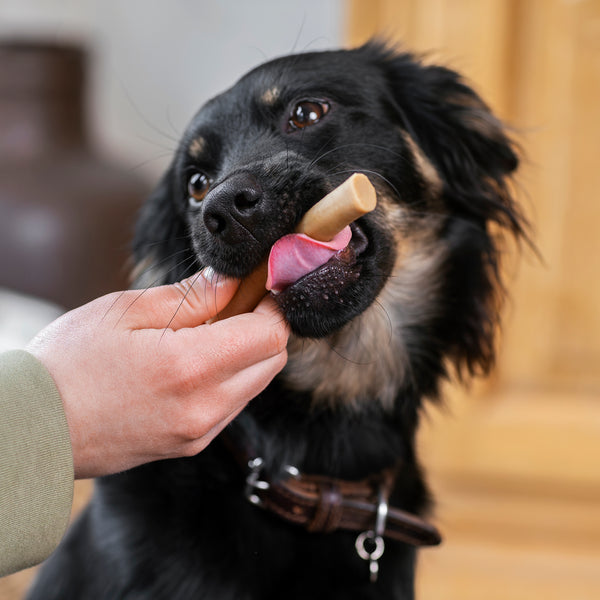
{"points": [[314, 300], [322, 286], [296, 257]]}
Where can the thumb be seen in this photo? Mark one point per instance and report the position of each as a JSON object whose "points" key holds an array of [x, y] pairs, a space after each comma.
{"points": [[187, 303]]}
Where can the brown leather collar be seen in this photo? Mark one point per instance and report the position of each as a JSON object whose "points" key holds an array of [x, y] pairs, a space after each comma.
{"points": [[325, 504]]}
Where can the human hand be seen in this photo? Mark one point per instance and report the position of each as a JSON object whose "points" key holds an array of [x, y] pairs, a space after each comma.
{"points": [[143, 377]]}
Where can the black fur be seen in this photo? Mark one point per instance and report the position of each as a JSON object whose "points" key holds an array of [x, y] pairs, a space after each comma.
{"points": [[421, 275]]}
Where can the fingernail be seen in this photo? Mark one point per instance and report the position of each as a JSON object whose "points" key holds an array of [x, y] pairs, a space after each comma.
{"points": [[214, 279], [209, 274]]}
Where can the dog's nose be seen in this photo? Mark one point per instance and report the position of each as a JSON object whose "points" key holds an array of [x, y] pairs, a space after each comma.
{"points": [[230, 208]]}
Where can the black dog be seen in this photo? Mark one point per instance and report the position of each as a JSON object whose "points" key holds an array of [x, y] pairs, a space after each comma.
{"points": [[326, 454]]}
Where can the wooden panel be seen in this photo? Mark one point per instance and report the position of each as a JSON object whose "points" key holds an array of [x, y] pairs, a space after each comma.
{"points": [[496, 571], [515, 477], [538, 65], [447, 30], [524, 440], [554, 336], [578, 332], [362, 20], [514, 464]]}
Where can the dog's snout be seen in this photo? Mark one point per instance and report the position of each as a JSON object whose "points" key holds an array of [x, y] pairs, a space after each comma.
{"points": [[230, 208]]}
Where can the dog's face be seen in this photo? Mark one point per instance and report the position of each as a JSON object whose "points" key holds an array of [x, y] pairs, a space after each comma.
{"points": [[416, 285]]}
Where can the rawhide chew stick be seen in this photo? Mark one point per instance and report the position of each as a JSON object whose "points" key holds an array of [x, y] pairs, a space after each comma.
{"points": [[352, 199], [346, 203]]}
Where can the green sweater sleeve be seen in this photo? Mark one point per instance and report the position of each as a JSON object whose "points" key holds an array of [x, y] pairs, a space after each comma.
{"points": [[36, 464]]}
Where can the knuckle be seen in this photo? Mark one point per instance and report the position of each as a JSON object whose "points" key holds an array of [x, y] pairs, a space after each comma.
{"points": [[194, 447], [279, 337], [282, 359], [192, 426], [180, 373]]}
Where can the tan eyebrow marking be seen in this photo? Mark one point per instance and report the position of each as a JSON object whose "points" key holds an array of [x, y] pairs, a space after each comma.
{"points": [[270, 96], [197, 147]]}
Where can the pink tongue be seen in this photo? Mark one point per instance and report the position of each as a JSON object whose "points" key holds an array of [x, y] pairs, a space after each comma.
{"points": [[296, 254]]}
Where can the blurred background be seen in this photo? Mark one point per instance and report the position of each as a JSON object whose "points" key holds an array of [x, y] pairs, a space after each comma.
{"points": [[94, 95]]}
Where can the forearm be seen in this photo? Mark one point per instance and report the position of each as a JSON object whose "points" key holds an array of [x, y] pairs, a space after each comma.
{"points": [[36, 464]]}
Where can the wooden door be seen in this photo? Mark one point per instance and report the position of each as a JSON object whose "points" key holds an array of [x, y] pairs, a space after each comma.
{"points": [[515, 462]]}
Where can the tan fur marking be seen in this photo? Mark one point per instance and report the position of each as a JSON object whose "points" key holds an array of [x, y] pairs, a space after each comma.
{"points": [[270, 96], [427, 170], [197, 147]]}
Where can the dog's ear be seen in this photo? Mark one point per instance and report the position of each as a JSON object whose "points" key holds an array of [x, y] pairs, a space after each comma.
{"points": [[473, 155], [457, 131], [160, 243]]}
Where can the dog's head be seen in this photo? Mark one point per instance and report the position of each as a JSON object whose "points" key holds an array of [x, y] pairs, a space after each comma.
{"points": [[419, 281]]}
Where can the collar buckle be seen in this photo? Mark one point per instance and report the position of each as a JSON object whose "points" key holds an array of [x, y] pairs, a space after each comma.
{"points": [[256, 484]]}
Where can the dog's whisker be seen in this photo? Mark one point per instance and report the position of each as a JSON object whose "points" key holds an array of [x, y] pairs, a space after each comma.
{"points": [[157, 281], [145, 271], [390, 324], [351, 351], [148, 161], [192, 265], [139, 275], [137, 297], [320, 152], [338, 352], [260, 51], [162, 261], [315, 40], [144, 119], [341, 353], [187, 291], [370, 172], [213, 280], [299, 34], [112, 305], [154, 243], [176, 130], [357, 144], [166, 148]]}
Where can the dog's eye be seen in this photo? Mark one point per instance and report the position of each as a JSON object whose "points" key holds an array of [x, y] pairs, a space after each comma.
{"points": [[307, 113], [198, 185]]}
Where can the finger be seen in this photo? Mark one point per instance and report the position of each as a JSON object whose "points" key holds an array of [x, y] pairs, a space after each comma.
{"points": [[267, 306], [187, 303], [231, 345], [208, 416], [196, 446], [246, 384]]}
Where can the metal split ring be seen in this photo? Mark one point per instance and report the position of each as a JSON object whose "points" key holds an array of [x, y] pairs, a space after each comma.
{"points": [[375, 538]]}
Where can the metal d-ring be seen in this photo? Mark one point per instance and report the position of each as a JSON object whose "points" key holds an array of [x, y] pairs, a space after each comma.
{"points": [[382, 513], [375, 538], [253, 481]]}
